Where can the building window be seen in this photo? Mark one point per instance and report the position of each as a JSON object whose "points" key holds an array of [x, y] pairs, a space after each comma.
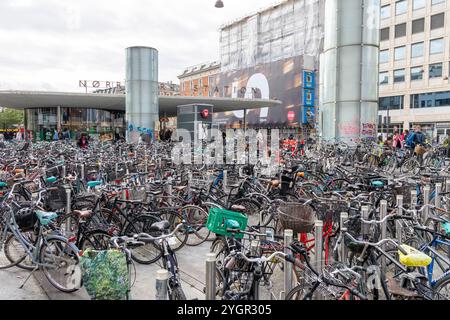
{"points": [[399, 75], [384, 34], [384, 56], [437, 21], [400, 30], [417, 50], [391, 103], [400, 53], [418, 4], [384, 78], [436, 46], [435, 70], [386, 12], [418, 26], [430, 100], [433, 2], [416, 73], [401, 7]]}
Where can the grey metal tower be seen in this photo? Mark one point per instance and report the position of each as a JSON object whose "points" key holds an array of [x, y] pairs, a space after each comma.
{"points": [[349, 70], [142, 105]]}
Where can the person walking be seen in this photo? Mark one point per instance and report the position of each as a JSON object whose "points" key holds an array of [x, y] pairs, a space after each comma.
{"points": [[55, 135]]}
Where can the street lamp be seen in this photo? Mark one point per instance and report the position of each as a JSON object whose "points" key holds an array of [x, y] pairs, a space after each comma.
{"points": [[219, 4]]}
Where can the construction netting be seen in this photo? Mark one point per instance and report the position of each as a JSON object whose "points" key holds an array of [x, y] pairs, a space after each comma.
{"points": [[287, 29]]}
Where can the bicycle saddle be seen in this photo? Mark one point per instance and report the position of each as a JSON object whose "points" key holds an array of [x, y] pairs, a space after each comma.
{"points": [[414, 258], [238, 208], [93, 184], [160, 226], [83, 213]]}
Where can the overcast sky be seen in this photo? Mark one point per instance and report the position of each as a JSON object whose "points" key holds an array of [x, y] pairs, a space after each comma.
{"points": [[51, 44]]}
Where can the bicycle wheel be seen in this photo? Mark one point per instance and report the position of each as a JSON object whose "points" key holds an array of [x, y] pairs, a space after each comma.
{"points": [[60, 264], [442, 289], [150, 252], [16, 253], [182, 235], [177, 294], [95, 240], [196, 218], [299, 292], [411, 166]]}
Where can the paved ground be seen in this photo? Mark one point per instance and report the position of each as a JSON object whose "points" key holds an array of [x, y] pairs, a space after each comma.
{"points": [[10, 280], [191, 261]]}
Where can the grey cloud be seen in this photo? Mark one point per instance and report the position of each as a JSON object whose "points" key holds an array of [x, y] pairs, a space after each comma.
{"points": [[53, 43]]}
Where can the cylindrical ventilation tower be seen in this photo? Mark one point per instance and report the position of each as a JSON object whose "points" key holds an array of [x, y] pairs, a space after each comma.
{"points": [[142, 90], [349, 93]]}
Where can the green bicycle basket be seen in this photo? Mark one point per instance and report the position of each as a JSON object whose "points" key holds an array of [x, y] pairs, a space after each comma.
{"points": [[218, 222]]}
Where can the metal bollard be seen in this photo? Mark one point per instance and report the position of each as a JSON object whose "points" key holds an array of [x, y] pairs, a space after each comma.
{"points": [[413, 199], [437, 197], [225, 181], [343, 248], [383, 214], [116, 170], [288, 238], [64, 172], [170, 192], [365, 228], [162, 278], [82, 172], [68, 208], [318, 245], [189, 181], [211, 276], [447, 189], [426, 202], [398, 224]]}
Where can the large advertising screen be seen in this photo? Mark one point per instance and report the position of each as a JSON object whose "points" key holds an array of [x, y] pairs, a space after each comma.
{"points": [[280, 80]]}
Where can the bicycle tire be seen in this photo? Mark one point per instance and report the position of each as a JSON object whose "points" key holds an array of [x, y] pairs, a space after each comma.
{"points": [[177, 294], [17, 261], [199, 233], [442, 283], [61, 245], [98, 239], [133, 228]]}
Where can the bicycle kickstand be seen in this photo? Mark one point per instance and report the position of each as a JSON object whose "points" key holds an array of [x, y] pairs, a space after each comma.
{"points": [[28, 278]]}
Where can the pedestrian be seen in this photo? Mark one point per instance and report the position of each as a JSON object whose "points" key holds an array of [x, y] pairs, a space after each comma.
{"points": [[83, 142], [55, 135], [397, 140]]}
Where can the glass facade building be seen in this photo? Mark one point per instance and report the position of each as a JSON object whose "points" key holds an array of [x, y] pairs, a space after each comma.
{"points": [[97, 123]]}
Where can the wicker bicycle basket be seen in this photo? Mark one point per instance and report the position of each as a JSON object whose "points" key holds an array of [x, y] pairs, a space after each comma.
{"points": [[296, 217]]}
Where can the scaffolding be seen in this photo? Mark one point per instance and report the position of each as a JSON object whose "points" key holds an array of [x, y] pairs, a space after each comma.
{"points": [[287, 29]]}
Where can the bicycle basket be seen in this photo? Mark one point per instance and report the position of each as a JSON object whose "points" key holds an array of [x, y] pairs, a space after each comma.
{"points": [[105, 274], [57, 199], [217, 219], [297, 217], [25, 219]]}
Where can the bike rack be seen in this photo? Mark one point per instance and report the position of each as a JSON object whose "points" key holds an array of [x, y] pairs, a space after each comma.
{"points": [[288, 269], [343, 227], [426, 203], [437, 197], [413, 199], [162, 279], [398, 224], [210, 277], [383, 214], [318, 245]]}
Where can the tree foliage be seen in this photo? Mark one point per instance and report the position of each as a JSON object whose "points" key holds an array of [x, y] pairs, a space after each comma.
{"points": [[10, 117]]}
